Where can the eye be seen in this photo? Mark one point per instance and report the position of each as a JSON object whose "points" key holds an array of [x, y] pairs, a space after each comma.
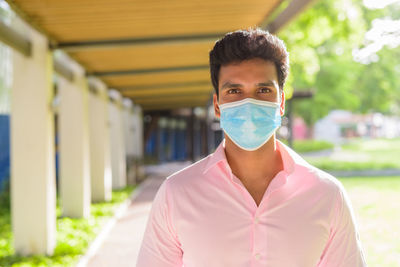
{"points": [[264, 90], [233, 91]]}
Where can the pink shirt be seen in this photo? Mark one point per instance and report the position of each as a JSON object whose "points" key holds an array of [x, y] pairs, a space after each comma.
{"points": [[203, 216]]}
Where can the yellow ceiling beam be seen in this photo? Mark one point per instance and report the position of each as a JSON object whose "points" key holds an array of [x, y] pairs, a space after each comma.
{"points": [[174, 91], [174, 106], [70, 21], [144, 57], [171, 96], [157, 78], [177, 99], [166, 86]]}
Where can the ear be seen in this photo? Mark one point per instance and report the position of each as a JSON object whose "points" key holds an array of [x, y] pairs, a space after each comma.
{"points": [[282, 105], [216, 106]]}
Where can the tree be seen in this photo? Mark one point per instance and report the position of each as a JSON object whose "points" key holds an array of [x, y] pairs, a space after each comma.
{"points": [[321, 43]]}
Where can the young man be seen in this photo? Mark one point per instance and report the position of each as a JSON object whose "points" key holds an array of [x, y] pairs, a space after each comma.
{"points": [[253, 202]]}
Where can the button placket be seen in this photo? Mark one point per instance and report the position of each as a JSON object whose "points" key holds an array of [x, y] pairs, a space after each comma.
{"points": [[256, 235]]}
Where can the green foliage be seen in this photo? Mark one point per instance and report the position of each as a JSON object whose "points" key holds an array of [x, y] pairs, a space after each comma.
{"points": [[336, 165], [303, 146], [321, 42], [5, 197], [73, 235]]}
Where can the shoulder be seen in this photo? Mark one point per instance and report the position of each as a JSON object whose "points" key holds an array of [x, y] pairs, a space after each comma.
{"points": [[311, 175], [188, 175], [322, 180]]}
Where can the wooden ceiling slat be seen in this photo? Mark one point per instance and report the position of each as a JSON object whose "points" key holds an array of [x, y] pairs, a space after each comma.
{"points": [[173, 106], [167, 97], [165, 86], [176, 99], [73, 20], [161, 78], [176, 91], [93, 20], [139, 57]]}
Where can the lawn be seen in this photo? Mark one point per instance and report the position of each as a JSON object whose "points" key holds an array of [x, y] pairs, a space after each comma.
{"points": [[73, 235], [375, 200], [360, 154], [376, 203]]}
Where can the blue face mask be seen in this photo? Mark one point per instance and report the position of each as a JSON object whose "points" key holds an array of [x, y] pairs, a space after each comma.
{"points": [[250, 123]]}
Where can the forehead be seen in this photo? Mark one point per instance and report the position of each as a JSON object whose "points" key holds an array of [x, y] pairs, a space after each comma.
{"points": [[248, 70]]}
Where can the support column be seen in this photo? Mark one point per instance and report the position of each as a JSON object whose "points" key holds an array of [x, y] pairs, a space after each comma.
{"points": [[190, 136], [138, 132], [33, 187], [196, 138], [118, 161], [138, 142], [128, 119], [73, 122], [182, 139], [162, 125], [210, 122], [171, 139], [100, 158], [204, 138], [127, 112]]}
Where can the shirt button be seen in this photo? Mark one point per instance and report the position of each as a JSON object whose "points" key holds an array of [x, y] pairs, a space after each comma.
{"points": [[256, 220], [257, 256]]}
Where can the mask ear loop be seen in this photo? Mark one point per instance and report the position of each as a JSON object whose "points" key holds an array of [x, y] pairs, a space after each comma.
{"points": [[219, 108]]}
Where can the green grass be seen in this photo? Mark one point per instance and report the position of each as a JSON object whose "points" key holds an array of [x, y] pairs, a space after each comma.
{"points": [[376, 203], [304, 146], [336, 165], [73, 235], [361, 154]]}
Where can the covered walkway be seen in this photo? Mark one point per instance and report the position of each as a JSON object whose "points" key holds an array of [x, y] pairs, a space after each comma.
{"points": [[101, 88], [119, 243]]}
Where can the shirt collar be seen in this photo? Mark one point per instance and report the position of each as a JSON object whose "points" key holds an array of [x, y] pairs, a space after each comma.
{"points": [[289, 157], [216, 157]]}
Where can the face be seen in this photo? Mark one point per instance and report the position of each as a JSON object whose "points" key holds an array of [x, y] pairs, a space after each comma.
{"points": [[255, 78]]}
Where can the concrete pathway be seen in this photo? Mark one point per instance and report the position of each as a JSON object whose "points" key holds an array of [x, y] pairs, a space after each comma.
{"points": [[119, 242]]}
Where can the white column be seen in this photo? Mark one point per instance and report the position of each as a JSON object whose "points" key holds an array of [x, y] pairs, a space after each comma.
{"points": [[74, 144], [128, 127], [129, 140], [118, 160], [100, 158], [33, 190], [138, 143], [138, 131]]}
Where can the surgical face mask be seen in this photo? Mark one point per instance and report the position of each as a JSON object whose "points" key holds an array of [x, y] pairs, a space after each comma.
{"points": [[250, 123]]}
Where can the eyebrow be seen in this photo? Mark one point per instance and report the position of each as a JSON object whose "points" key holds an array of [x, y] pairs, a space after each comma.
{"points": [[228, 84]]}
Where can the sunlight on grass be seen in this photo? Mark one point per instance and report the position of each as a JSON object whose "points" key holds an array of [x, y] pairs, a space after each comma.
{"points": [[73, 235], [360, 154], [376, 203], [375, 200]]}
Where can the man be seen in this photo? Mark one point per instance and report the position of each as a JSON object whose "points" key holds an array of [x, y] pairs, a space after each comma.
{"points": [[254, 201]]}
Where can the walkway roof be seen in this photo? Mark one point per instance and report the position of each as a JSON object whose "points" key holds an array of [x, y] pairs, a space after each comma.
{"points": [[154, 52]]}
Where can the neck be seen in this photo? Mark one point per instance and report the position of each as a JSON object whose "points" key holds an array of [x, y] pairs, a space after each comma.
{"points": [[263, 163]]}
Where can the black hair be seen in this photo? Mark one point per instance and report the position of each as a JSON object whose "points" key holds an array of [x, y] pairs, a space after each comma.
{"points": [[242, 45]]}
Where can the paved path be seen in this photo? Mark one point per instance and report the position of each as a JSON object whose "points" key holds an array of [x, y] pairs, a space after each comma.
{"points": [[119, 242]]}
